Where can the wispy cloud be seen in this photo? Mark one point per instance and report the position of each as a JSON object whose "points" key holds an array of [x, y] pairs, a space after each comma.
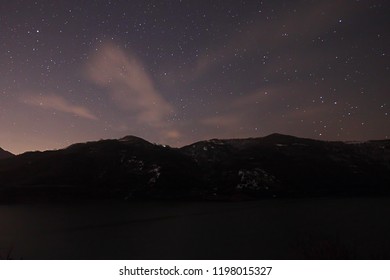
{"points": [[131, 88], [262, 111], [266, 34], [224, 121], [238, 113], [57, 103]]}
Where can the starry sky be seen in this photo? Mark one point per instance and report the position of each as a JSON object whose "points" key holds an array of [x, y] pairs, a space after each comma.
{"points": [[176, 72]]}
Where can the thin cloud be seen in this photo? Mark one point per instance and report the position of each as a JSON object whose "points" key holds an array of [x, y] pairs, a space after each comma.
{"points": [[273, 34], [225, 121], [251, 111], [131, 88], [57, 103]]}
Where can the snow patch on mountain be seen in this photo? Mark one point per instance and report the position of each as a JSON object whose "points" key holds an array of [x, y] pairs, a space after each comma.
{"points": [[155, 173], [255, 179]]}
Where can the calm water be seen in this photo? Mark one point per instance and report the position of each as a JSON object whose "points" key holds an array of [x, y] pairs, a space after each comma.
{"points": [[267, 229]]}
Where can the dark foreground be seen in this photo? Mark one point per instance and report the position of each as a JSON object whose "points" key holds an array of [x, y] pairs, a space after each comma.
{"points": [[299, 228]]}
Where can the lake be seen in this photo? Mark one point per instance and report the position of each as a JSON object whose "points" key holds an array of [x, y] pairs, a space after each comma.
{"points": [[296, 228]]}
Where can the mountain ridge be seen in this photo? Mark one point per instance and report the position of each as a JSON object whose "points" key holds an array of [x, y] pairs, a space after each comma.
{"points": [[133, 168], [5, 154]]}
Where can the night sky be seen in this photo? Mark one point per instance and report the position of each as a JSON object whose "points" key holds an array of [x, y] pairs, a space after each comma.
{"points": [[175, 72]]}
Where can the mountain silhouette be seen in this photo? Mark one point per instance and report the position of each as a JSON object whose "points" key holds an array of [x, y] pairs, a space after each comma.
{"points": [[5, 154], [133, 168]]}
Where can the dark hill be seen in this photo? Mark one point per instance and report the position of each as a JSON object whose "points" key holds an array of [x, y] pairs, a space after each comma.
{"points": [[275, 165], [129, 167], [5, 154], [283, 165]]}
